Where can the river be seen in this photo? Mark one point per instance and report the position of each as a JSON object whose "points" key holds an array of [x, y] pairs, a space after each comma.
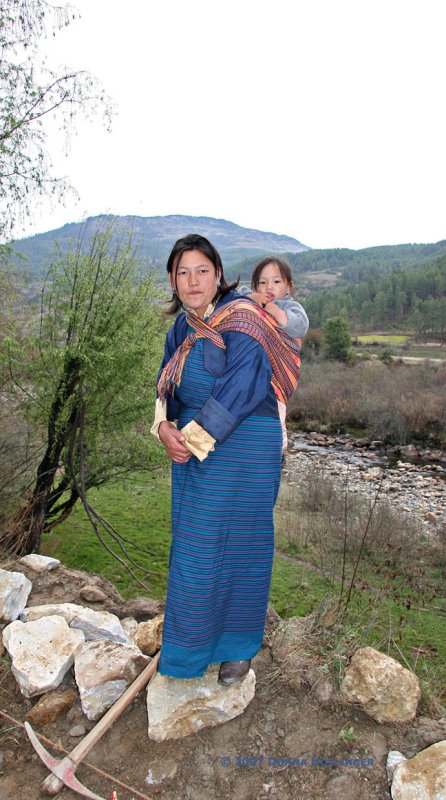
{"points": [[413, 480]]}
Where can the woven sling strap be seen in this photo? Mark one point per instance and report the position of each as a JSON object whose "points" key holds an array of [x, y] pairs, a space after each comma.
{"points": [[244, 316]]}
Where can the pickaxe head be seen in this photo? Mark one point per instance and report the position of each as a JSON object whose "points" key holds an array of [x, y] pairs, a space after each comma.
{"points": [[62, 769]]}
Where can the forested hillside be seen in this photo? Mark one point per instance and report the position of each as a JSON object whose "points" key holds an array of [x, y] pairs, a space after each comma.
{"points": [[403, 299], [352, 266]]}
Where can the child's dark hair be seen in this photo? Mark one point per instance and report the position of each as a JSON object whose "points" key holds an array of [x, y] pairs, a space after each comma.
{"points": [[284, 268], [196, 242]]}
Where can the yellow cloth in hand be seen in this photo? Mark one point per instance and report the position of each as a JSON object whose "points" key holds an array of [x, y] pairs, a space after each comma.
{"points": [[197, 440]]}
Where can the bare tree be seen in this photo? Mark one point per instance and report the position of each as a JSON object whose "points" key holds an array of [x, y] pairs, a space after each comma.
{"points": [[29, 93]]}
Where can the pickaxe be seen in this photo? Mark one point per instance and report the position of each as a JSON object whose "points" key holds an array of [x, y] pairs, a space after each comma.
{"points": [[63, 769]]}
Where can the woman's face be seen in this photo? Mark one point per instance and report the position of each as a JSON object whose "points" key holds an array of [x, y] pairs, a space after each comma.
{"points": [[195, 281]]}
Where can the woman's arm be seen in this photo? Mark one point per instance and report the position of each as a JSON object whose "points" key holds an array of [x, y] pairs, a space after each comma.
{"points": [[164, 427], [242, 386]]}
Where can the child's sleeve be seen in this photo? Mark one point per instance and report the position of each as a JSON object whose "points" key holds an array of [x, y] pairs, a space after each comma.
{"points": [[297, 320]]}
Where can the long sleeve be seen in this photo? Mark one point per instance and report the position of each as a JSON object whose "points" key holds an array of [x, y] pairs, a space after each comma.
{"points": [[297, 320], [243, 385]]}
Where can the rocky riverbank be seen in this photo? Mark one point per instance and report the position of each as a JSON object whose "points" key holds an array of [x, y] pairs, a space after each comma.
{"points": [[412, 479]]}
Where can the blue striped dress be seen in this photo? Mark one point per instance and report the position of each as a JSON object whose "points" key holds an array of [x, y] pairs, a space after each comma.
{"points": [[222, 523]]}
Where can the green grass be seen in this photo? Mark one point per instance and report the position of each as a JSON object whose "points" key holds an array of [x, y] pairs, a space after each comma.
{"points": [[139, 507], [382, 338]]}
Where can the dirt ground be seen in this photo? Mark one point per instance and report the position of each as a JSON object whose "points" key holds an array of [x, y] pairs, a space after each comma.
{"points": [[276, 749]]}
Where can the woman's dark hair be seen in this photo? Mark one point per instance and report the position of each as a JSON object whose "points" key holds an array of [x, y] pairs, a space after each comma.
{"points": [[284, 268], [193, 241]]}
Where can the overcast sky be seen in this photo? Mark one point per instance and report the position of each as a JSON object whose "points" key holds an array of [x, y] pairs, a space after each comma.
{"points": [[319, 119]]}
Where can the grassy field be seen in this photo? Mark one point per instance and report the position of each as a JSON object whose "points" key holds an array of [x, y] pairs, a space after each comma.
{"points": [[391, 605], [382, 338], [401, 345]]}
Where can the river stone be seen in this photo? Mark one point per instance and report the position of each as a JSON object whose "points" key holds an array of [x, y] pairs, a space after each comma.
{"points": [[372, 474], [51, 706], [39, 563], [384, 689], [177, 708], [42, 652], [14, 592], [422, 777], [103, 671], [95, 624], [149, 634], [409, 451]]}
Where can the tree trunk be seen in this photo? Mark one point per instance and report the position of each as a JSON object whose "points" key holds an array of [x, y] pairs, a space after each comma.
{"points": [[25, 530]]}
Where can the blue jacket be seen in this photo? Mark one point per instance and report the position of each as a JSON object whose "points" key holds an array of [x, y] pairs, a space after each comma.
{"points": [[242, 378]]}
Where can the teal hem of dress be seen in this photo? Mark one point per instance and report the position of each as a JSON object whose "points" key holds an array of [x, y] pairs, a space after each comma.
{"points": [[178, 661]]}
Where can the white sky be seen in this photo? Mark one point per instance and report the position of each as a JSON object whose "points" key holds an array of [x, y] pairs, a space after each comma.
{"points": [[320, 119]]}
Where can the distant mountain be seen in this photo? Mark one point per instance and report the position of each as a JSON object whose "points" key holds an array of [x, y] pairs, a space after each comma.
{"points": [[154, 237]]}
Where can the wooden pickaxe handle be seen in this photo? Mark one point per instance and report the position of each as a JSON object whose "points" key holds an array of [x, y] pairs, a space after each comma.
{"points": [[52, 784]]}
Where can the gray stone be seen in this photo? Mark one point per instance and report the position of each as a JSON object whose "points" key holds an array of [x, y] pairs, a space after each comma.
{"points": [[39, 563], [372, 474], [409, 451], [177, 708], [394, 759], [14, 592], [92, 594], [103, 671], [141, 608], [77, 731], [160, 773], [422, 777], [42, 652], [94, 624], [384, 689], [129, 626]]}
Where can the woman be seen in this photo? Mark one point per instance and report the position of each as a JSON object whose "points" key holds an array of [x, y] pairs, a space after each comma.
{"points": [[216, 381]]}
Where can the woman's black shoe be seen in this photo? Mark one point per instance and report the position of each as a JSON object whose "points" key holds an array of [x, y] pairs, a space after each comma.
{"points": [[231, 672]]}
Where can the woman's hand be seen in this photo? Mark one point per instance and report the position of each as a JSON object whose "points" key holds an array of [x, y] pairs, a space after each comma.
{"points": [[172, 440]]}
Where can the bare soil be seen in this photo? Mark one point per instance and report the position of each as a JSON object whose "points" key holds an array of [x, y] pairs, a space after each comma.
{"points": [[276, 749]]}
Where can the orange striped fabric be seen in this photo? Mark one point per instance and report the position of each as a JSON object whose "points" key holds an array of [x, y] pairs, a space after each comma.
{"points": [[244, 316]]}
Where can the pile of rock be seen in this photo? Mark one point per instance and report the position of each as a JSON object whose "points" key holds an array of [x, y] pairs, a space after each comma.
{"points": [[106, 654]]}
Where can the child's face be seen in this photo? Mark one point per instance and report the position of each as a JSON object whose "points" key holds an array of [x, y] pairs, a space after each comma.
{"points": [[272, 283]]}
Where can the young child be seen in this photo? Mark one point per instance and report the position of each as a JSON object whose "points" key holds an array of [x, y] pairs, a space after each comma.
{"points": [[272, 287]]}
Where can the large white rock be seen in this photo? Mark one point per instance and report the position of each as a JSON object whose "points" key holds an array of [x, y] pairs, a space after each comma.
{"points": [[14, 591], [422, 777], [95, 624], [39, 563], [103, 671], [68, 611], [384, 689], [177, 708], [42, 652]]}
